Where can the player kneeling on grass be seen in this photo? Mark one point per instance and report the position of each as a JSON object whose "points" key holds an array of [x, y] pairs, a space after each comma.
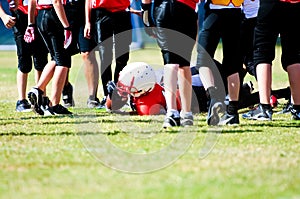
{"points": [[138, 83]]}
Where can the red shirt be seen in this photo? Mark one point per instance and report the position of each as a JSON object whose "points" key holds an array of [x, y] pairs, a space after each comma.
{"points": [[291, 1], [111, 5], [23, 6], [190, 3], [151, 103]]}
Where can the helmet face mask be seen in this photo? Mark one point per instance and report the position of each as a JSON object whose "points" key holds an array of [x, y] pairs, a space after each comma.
{"points": [[136, 79]]}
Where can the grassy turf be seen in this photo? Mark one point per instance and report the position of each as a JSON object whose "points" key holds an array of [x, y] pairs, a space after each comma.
{"points": [[66, 157]]}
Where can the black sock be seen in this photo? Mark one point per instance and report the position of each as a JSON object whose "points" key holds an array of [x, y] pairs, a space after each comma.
{"points": [[296, 107], [232, 107], [266, 106]]}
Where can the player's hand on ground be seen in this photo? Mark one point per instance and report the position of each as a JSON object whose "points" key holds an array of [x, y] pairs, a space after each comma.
{"points": [[29, 35]]}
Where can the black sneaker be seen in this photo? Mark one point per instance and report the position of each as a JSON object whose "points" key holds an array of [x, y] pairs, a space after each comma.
{"points": [[45, 103], [102, 103], [93, 103], [186, 120], [57, 110], [214, 111], [36, 100], [228, 119], [23, 106], [67, 96], [171, 121], [258, 113], [295, 114]]}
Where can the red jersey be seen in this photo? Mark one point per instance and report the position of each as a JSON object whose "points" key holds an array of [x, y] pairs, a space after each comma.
{"points": [[23, 6], [152, 102], [190, 3], [111, 5], [46, 4], [291, 1]]}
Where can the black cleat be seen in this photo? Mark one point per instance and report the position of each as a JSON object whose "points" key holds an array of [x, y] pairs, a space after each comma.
{"points": [[67, 96], [23, 106], [57, 110], [36, 100]]}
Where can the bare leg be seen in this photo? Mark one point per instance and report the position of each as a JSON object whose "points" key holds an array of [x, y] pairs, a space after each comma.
{"points": [[91, 71], [185, 88], [206, 77], [22, 84], [46, 75], [264, 80], [233, 86], [293, 72], [170, 84], [58, 82]]}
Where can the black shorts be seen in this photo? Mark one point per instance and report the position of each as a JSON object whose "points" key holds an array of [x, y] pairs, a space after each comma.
{"points": [[176, 31], [75, 14], [52, 32], [36, 50], [274, 18], [221, 24]]}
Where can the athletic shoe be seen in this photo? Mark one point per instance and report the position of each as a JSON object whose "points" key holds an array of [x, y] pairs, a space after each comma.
{"points": [[214, 111], [259, 113], [102, 103], [228, 119], [186, 120], [93, 103], [67, 95], [45, 103], [171, 121], [36, 99], [287, 108], [23, 106], [57, 110], [295, 114]]}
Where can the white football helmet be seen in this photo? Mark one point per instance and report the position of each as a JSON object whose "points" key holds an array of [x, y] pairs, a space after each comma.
{"points": [[136, 79]]}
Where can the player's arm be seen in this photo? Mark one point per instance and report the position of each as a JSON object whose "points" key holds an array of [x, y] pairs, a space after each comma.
{"points": [[29, 33], [8, 20], [60, 11], [31, 11], [87, 27]]}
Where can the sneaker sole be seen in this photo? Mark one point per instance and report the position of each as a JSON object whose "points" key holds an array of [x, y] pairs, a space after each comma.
{"points": [[34, 102], [215, 110], [186, 122], [225, 122]]}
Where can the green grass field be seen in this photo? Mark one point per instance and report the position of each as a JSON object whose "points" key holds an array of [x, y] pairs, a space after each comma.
{"points": [[94, 154]]}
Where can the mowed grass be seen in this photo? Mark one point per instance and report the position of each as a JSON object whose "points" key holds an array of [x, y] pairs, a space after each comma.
{"points": [[74, 157]]}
